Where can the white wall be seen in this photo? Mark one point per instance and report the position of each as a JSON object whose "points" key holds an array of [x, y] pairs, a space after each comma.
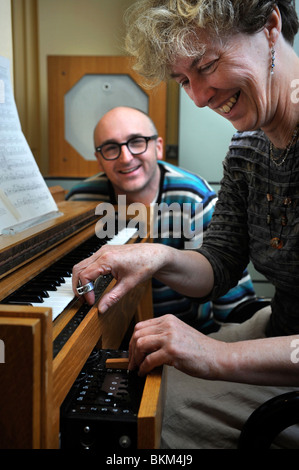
{"points": [[5, 32]]}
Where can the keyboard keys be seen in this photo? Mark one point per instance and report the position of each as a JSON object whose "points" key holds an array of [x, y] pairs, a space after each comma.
{"points": [[53, 287]]}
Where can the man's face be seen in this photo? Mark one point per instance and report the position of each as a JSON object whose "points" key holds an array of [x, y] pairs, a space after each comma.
{"points": [[129, 174]]}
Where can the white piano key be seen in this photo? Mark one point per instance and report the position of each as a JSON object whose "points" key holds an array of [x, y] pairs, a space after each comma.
{"points": [[58, 300], [123, 236]]}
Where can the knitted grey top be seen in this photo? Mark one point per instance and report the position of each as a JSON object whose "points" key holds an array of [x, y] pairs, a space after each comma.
{"points": [[244, 222]]}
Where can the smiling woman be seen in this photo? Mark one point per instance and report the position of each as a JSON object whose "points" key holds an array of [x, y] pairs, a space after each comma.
{"points": [[221, 53], [170, 29]]}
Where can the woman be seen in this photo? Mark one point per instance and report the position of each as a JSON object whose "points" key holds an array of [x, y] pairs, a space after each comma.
{"points": [[237, 58]]}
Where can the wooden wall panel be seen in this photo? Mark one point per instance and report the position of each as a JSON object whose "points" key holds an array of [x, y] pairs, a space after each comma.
{"points": [[63, 73]]}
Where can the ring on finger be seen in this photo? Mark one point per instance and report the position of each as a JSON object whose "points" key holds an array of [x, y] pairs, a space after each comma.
{"points": [[84, 289]]}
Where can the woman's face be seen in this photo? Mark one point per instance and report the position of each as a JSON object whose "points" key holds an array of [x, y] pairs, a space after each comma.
{"points": [[232, 78]]}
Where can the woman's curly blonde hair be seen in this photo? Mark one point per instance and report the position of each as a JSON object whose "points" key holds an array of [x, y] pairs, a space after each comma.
{"points": [[158, 31]]}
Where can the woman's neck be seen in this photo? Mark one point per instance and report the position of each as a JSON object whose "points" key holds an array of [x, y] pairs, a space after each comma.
{"points": [[285, 96], [281, 134]]}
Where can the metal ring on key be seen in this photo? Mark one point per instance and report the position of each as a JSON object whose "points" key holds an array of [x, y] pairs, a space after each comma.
{"points": [[84, 289]]}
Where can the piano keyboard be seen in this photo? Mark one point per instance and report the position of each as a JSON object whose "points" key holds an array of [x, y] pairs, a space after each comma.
{"points": [[53, 287]]}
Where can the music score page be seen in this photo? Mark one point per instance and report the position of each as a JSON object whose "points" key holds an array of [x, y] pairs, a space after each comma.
{"points": [[25, 198]]}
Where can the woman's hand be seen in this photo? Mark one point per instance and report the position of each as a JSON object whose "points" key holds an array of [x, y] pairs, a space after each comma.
{"points": [[185, 271], [168, 340], [128, 264]]}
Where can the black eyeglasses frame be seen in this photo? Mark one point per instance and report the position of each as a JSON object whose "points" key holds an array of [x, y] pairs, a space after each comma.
{"points": [[147, 139]]}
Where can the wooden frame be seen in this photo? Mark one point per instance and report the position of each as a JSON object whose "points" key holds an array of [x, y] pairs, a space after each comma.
{"points": [[63, 73]]}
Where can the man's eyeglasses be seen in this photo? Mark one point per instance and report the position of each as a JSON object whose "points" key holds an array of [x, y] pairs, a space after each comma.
{"points": [[136, 145]]}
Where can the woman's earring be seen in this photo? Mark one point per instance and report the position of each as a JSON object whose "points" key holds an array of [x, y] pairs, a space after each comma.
{"points": [[272, 60]]}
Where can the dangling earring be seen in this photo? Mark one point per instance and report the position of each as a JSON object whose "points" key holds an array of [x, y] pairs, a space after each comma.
{"points": [[272, 60]]}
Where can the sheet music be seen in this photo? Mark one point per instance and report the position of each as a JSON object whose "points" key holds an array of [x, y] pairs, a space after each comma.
{"points": [[24, 195]]}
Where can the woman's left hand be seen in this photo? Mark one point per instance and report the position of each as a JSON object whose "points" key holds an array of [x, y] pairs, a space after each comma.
{"points": [[168, 340]]}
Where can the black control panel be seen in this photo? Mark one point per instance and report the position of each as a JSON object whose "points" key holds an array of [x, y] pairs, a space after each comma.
{"points": [[100, 411]]}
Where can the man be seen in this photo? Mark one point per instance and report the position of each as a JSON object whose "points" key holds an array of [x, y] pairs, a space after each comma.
{"points": [[129, 152]]}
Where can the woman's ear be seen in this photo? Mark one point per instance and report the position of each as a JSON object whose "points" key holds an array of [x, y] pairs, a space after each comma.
{"points": [[273, 26]]}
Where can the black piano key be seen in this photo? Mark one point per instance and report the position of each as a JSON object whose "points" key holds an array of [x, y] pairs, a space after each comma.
{"points": [[52, 281], [63, 271], [47, 285], [37, 291], [31, 298]]}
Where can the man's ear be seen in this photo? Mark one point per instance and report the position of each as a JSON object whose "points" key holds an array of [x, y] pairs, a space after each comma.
{"points": [[159, 148]]}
